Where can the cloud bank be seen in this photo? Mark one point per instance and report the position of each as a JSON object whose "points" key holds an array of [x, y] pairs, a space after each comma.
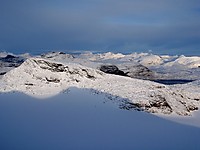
{"points": [[160, 25]]}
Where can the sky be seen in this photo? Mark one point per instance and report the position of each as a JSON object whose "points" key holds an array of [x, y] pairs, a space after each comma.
{"points": [[159, 26]]}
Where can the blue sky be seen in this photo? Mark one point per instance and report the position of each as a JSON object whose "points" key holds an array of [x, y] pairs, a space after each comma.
{"points": [[163, 26]]}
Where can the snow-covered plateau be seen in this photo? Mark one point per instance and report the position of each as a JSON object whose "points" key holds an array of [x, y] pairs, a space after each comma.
{"points": [[128, 80]]}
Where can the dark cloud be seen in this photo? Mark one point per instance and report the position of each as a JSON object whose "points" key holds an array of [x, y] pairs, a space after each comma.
{"points": [[160, 25]]}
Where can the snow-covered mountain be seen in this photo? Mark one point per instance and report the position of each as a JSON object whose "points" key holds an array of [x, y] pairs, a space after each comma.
{"points": [[47, 76]]}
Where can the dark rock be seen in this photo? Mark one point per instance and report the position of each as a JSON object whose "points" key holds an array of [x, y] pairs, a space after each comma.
{"points": [[9, 62], [62, 53], [192, 108], [111, 69], [138, 71], [10, 57], [53, 80], [196, 99], [30, 84], [88, 75], [130, 105], [54, 67], [161, 103], [2, 73]]}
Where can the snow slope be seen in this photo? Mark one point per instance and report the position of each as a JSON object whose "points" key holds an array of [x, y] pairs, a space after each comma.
{"points": [[42, 77], [80, 120]]}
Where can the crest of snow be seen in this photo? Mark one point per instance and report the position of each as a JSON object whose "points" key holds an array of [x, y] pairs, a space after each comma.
{"points": [[25, 55], [138, 55], [110, 55], [190, 62], [150, 60], [103, 56]]}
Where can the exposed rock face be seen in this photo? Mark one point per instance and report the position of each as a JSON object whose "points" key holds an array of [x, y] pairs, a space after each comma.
{"points": [[54, 67], [2, 73], [58, 67], [130, 70], [111, 69], [159, 103], [137, 71]]}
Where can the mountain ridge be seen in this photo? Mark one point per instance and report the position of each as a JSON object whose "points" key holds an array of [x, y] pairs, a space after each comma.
{"points": [[44, 77]]}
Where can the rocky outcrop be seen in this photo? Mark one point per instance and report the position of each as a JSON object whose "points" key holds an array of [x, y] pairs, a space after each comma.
{"points": [[137, 71], [130, 70], [59, 68], [111, 69], [2, 73], [54, 67]]}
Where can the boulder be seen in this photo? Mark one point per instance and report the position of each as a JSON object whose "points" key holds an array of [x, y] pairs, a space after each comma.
{"points": [[111, 69], [137, 71]]}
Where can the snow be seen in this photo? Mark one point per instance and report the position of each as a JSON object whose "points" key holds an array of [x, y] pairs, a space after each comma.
{"points": [[62, 101], [43, 78], [79, 120], [193, 120], [189, 62], [104, 56], [150, 60]]}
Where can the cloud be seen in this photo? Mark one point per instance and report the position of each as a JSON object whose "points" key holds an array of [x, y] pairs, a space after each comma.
{"points": [[102, 25]]}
